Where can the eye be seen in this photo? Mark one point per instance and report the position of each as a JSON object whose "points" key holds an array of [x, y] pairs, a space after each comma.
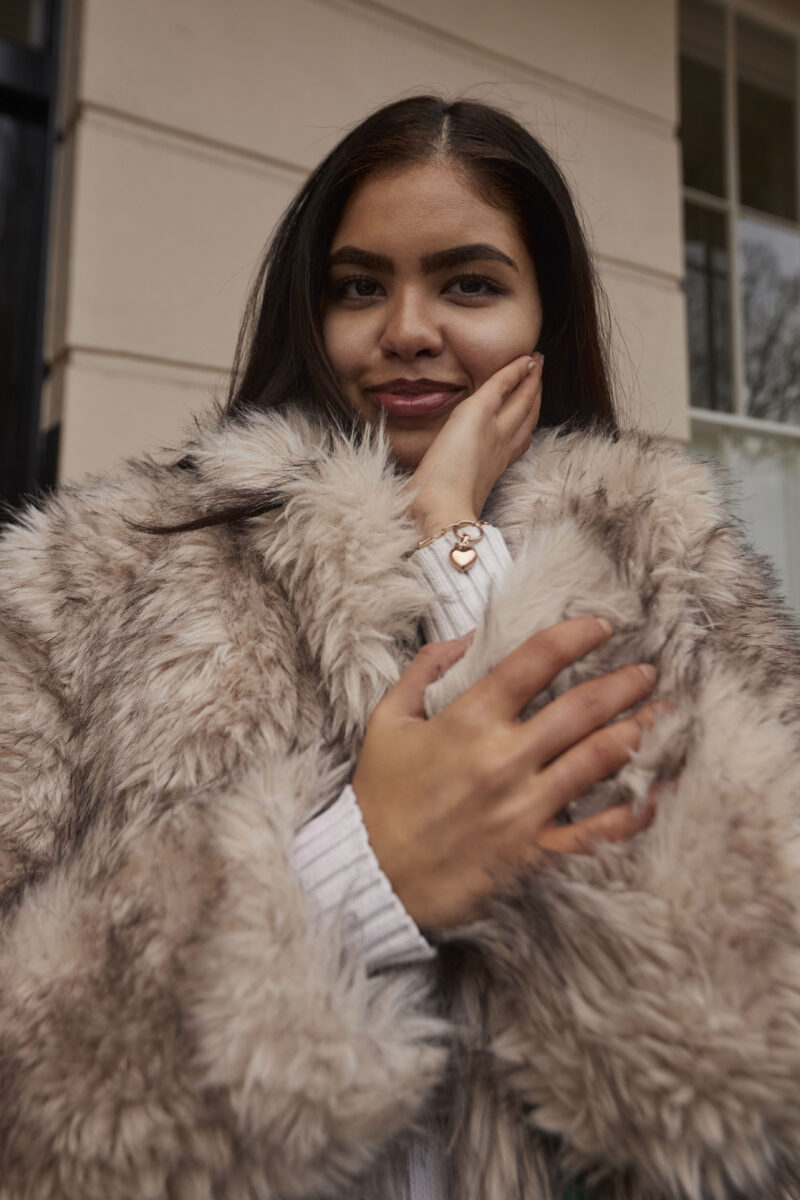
{"points": [[474, 287], [355, 287]]}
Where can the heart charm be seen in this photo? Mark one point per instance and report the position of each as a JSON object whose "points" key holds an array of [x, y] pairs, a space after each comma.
{"points": [[462, 559]]}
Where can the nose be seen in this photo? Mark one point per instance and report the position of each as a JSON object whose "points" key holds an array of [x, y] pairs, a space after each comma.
{"points": [[410, 327]]}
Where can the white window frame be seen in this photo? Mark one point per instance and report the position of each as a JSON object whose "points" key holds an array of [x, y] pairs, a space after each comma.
{"points": [[732, 209]]}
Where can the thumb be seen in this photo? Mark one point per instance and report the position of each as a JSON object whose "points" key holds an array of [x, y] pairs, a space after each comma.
{"points": [[406, 698]]}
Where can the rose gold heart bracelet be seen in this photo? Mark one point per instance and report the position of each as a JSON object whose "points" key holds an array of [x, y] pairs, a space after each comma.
{"points": [[463, 553]]}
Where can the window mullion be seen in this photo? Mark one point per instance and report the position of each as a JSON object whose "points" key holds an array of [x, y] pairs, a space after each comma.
{"points": [[732, 160]]}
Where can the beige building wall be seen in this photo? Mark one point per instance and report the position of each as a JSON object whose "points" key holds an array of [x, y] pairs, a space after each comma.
{"points": [[188, 125]]}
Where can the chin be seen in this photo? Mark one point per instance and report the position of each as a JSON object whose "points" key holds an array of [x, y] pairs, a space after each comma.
{"points": [[408, 448]]}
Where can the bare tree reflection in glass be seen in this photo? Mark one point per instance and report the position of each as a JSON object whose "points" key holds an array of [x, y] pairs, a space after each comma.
{"points": [[770, 277], [708, 308]]}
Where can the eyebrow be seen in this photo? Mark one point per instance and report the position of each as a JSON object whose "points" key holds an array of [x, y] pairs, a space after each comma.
{"points": [[440, 261]]}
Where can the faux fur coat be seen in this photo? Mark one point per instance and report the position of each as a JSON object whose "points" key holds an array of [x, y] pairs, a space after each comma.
{"points": [[173, 1020]]}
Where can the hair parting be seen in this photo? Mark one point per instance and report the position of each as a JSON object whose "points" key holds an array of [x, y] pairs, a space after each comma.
{"points": [[280, 355]]}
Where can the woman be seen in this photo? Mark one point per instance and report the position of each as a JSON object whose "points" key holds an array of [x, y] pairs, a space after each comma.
{"points": [[294, 908]]}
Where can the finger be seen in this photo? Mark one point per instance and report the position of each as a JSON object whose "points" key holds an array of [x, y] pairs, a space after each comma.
{"points": [[502, 384], [594, 758], [522, 674], [586, 708], [406, 698], [521, 408], [591, 760], [520, 439], [616, 824]]}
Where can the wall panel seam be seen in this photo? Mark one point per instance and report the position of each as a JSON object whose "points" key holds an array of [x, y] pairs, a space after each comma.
{"points": [[667, 280], [664, 126], [185, 139], [72, 354], [87, 109]]}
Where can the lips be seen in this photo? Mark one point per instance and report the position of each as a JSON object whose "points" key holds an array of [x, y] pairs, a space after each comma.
{"points": [[416, 397]]}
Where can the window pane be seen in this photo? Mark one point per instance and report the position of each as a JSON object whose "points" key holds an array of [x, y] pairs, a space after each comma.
{"points": [[767, 95], [23, 21], [769, 259], [766, 473], [708, 308], [702, 96]]}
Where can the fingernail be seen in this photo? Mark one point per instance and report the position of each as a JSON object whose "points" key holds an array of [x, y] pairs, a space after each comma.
{"points": [[531, 364], [606, 626], [648, 671], [538, 357]]}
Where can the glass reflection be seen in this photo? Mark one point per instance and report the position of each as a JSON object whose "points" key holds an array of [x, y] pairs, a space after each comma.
{"points": [[766, 67], [708, 308], [702, 96], [769, 259], [765, 495]]}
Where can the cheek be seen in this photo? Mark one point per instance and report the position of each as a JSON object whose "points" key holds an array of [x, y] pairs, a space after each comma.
{"points": [[490, 345], [337, 344], [349, 344]]}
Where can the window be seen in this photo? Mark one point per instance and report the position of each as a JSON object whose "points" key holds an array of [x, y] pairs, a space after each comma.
{"points": [[740, 143]]}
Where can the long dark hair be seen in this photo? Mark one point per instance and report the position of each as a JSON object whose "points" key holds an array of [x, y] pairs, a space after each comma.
{"points": [[280, 354]]}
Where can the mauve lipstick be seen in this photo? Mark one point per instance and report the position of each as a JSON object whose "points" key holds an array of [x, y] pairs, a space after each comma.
{"points": [[415, 397]]}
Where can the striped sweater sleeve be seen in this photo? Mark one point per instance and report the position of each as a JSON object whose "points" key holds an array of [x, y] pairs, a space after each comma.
{"points": [[331, 853]]}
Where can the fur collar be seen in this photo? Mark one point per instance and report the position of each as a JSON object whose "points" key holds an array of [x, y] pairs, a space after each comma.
{"points": [[341, 538]]}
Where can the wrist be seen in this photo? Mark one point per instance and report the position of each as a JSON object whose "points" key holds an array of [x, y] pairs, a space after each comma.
{"points": [[430, 519], [431, 528]]}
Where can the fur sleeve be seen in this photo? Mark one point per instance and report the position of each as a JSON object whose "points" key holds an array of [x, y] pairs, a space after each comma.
{"points": [[172, 1023], [641, 1006]]}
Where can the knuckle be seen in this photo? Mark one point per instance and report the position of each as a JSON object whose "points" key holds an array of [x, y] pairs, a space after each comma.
{"points": [[501, 772], [550, 645], [592, 700], [604, 752], [464, 719], [494, 763], [430, 652]]}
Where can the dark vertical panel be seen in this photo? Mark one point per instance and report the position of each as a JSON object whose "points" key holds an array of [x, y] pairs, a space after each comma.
{"points": [[27, 134], [766, 68], [22, 151], [702, 96], [708, 308]]}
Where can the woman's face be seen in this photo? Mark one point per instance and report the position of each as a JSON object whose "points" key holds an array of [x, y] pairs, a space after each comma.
{"points": [[430, 291]]}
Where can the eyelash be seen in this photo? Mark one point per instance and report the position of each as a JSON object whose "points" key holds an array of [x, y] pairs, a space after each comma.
{"points": [[339, 287]]}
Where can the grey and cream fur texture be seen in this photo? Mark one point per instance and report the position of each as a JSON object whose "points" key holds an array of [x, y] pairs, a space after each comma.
{"points": [[174, 1022]]}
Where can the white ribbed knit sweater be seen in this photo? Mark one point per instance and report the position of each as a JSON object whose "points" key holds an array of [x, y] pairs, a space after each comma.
{"points": [[332, 853]]}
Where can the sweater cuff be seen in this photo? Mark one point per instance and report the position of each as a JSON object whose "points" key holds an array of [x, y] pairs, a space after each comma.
{"points": [[341, 874], [461, 599]]}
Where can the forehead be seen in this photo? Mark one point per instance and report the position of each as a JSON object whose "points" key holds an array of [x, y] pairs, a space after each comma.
{"points": [[411, 211]]}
